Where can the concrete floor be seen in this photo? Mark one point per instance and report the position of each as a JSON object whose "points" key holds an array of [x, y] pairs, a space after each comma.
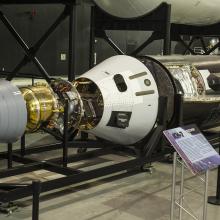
{"points": [[126, 196]]}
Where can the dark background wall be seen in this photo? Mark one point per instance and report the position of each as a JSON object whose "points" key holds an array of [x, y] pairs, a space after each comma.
{"points": [[32, 27]]}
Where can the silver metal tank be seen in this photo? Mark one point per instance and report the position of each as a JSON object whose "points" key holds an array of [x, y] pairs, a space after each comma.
{"points": [[193, 12], [13, 113]]}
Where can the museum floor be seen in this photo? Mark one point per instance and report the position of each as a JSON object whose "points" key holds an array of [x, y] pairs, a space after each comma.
{"points": [[130, 196]]}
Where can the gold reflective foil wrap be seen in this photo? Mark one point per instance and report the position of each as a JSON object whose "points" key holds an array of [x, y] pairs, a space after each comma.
{"points": [[41, 105]]}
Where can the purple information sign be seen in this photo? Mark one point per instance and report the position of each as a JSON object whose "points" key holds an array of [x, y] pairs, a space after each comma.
{"points": [[193, 148]]}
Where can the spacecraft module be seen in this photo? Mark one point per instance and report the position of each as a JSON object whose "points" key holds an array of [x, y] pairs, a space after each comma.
{"points": [[118, 100], [192, 12]]}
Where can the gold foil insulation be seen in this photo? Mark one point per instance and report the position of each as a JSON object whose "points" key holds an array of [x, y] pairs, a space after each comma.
{"points": [[41, 103], [45, 105], [93, 103]]}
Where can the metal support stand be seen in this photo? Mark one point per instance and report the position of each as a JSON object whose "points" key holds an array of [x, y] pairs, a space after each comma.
{"points": [[179, 201], [167, 35], [10, 155], [23, 150], [215, 200], [36, 185], [65, 134], [173, 187], [72, 42], [92, 62], [84, 137]]}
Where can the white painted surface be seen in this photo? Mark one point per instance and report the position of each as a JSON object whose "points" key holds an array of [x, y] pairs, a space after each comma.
{"points": [[196, 12], [144, 108]]}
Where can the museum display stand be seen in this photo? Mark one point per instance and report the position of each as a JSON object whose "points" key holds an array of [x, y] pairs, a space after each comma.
{"points": [[178, 201]]}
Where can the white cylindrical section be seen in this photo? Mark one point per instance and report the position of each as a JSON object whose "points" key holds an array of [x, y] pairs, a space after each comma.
{"points": [[13, 113], [193, 12], [140, 100]]}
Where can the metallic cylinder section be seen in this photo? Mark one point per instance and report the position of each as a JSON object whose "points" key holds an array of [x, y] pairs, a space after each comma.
{"points": [[212, 63], [13, 113], [197, 79], [191, 12], [41, 105]]}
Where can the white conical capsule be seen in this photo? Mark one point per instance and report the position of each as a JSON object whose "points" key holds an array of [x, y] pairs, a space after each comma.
{"points": [[130, 99]]}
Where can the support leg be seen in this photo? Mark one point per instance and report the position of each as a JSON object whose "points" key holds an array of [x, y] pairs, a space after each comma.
{"points": [[206, 195], [72, 42], [36, 199], [65, 134], [172, 213], [215, 200], [10, 155], [84, 137], [167, 37], [92, 39], [23, 149], [181, 191]]}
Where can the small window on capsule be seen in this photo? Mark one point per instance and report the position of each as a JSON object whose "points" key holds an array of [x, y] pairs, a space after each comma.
{"points": [[120, 83]]}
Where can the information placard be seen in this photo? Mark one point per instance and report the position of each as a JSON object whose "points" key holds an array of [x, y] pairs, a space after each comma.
{"points": [[193, 148]]}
